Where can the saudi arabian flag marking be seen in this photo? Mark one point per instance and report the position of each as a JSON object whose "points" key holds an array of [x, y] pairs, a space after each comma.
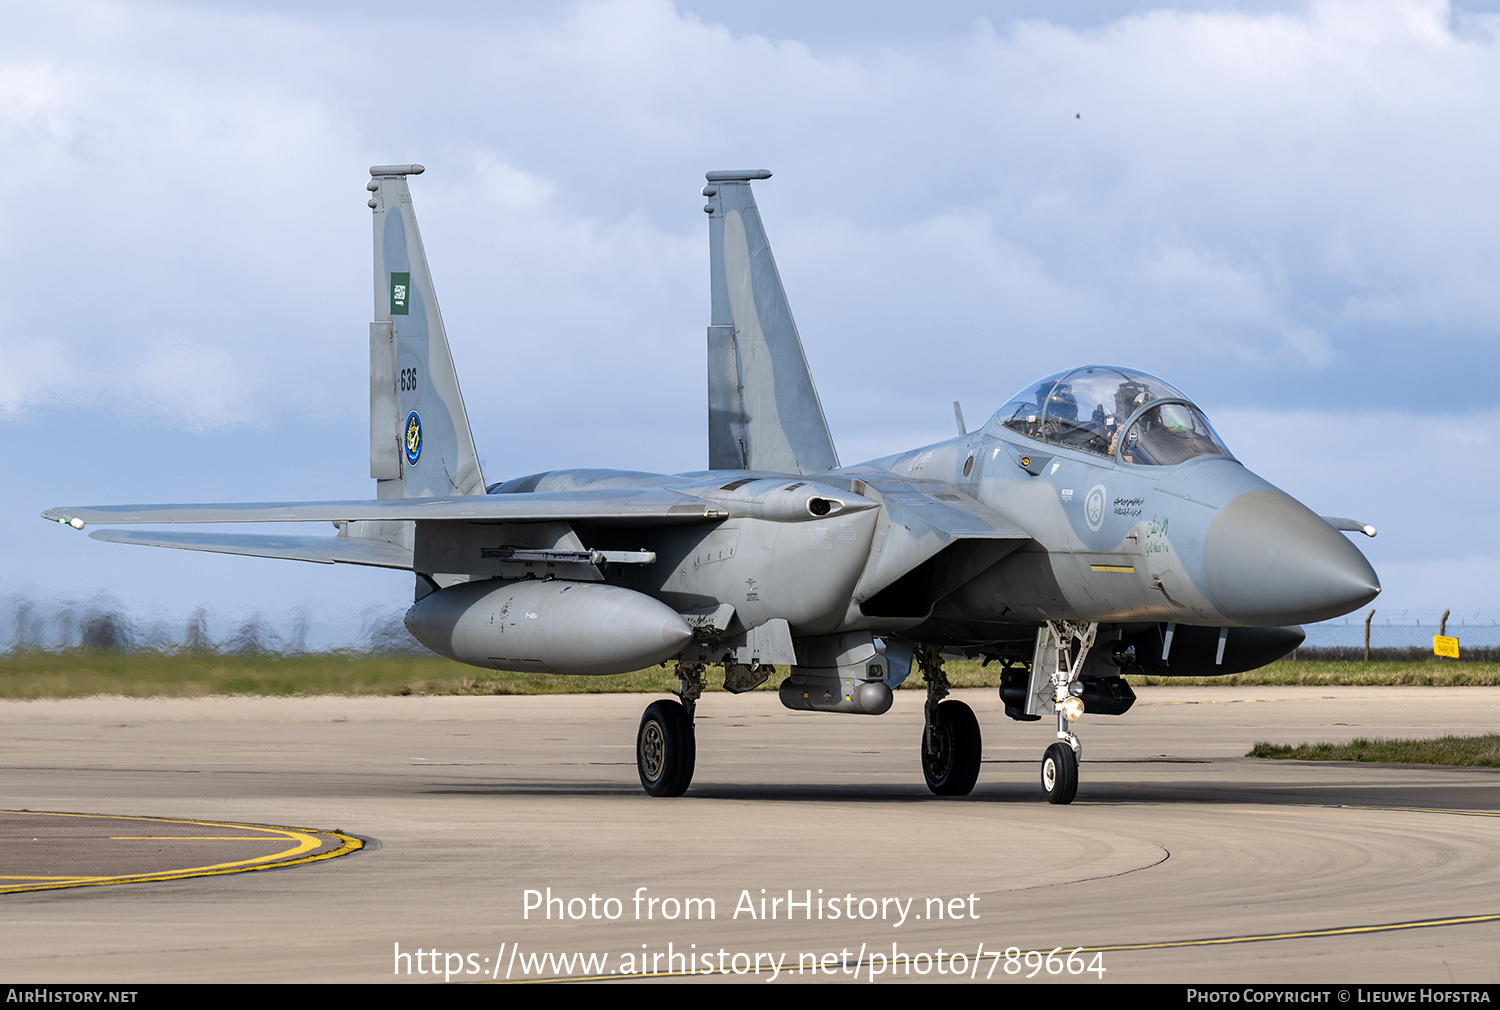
{"points": [[400, 293]]}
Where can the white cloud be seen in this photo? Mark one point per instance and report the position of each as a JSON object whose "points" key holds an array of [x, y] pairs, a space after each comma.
{"points": [[34, 371], [1266, 186]]}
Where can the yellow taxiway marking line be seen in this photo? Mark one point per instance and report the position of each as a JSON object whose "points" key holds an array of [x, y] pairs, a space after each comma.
{"points": [[302, 840], [1415, 810], [190, 838], [1383, 927]]}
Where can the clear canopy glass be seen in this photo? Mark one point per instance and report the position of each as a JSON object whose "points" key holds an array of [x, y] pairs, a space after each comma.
{"points": [[1086, 409]]}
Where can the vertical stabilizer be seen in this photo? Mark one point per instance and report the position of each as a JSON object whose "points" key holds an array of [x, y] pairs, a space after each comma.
{"points": [[763, 409], [420, 444]]}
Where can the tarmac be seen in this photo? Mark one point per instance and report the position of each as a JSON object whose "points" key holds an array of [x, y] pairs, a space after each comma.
{"points": [[416, 840]]}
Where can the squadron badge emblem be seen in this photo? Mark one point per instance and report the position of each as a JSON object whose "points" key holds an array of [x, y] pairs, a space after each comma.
{"points": [[413, 438], [1093, 506]]}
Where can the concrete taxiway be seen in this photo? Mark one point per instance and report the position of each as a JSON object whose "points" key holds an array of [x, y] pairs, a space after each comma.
{"points": [[1181, 860]]}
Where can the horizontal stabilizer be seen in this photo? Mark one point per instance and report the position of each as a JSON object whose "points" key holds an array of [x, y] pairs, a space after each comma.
{"points": [[621, 506], [322, 550], [1349, 525]]}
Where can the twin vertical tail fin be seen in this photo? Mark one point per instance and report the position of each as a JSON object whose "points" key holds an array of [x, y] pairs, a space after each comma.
{"points": [[420, 443], [763, 409]]}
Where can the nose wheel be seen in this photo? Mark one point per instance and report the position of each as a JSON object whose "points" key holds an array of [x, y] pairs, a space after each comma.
{"points": [[1060, 773]]}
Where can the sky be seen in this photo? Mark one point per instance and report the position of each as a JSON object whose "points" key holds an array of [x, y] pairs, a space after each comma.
{"points": [[1288, 210]]}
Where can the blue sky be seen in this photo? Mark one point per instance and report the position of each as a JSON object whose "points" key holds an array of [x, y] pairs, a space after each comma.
{"points": [[1288, 210]]}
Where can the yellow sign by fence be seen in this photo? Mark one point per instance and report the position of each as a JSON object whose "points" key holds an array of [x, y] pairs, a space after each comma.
{"points": [[1442, 645]]}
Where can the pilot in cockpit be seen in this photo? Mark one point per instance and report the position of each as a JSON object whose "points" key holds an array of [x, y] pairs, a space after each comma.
{"points": [[1062, 403]]}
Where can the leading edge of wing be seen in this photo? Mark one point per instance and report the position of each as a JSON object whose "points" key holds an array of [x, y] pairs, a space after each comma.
{"points": [[609, 505], [321, 550]]}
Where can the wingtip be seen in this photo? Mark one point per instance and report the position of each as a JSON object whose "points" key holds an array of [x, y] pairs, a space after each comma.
{"points": [[62, 517]]}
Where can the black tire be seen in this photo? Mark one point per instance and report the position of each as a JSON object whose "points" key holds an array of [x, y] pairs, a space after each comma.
{"points": [[1060, 773], [665, 750], [952, 764]]}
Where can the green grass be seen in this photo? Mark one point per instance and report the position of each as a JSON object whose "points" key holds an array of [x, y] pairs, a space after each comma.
{"points": [[1479, 751], [76, 673], [1424, 673], [80, 672]]}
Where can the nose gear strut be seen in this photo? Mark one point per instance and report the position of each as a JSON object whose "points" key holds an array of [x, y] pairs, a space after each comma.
{"points": [[1060, 649]]}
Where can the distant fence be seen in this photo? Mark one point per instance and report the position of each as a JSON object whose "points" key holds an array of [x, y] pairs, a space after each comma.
{"points": [[101, 622], [1406, 654], [1406, 629]]}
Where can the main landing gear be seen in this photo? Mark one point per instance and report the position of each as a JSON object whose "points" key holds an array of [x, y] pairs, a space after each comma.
{"points": [[951, 745], [665, 748]]}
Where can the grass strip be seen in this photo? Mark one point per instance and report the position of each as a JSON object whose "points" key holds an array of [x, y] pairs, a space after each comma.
{"points": [[1476, 751], [74, 673], [1353, 673]]}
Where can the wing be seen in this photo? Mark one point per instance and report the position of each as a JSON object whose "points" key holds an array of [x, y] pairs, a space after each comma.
{"points": [[606, 507], [322, 550], [622, 506]]}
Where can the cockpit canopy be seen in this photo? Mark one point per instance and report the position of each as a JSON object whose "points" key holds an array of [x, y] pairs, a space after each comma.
{"points": [[1088, 408]]}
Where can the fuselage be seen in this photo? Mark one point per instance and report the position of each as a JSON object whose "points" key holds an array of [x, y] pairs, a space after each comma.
{"points": [[1201, 542]]}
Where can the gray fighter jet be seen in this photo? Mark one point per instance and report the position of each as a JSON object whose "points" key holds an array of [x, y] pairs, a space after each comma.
{"points": [[1095, 525]]}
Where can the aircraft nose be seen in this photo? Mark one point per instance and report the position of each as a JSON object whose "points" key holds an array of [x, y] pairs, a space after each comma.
{"points": [[1270, 561]]}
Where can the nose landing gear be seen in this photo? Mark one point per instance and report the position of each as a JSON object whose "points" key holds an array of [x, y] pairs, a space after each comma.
{"points": [[1054, 672]]}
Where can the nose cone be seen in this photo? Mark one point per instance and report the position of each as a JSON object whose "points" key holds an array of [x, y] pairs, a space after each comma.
{"points": [[1270, 561]]}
